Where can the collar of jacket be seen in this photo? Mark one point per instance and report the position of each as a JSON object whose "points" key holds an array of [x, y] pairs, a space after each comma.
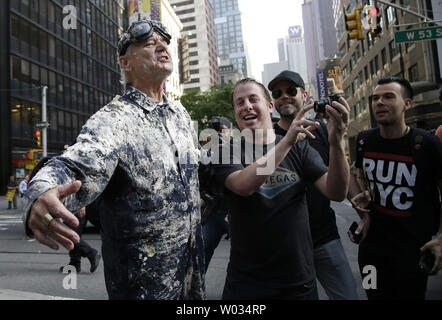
{"points": [[146, 102]]}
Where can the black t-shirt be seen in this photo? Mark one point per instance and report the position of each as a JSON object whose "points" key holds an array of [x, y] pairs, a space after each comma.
{"points": [[403, 176], [322, 218], [12, 184], [270, 236]]}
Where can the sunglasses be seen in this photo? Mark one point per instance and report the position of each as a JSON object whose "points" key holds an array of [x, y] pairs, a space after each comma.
{"points": [[291, 91], [140, 31]]}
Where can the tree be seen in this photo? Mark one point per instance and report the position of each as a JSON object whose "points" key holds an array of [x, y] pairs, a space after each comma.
{"points": [[202, 106]]}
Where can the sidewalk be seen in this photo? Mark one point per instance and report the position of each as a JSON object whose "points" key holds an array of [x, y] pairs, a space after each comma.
{"points": [[22, 295], [4, 206]]}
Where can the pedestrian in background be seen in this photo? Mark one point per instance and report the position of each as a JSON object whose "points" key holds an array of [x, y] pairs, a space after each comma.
{"points": [[11, 195], [214, 211], [22, 188], [83, 249]]}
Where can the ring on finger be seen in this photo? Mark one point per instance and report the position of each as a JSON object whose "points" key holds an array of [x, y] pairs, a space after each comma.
{"points": [[47, 218]]}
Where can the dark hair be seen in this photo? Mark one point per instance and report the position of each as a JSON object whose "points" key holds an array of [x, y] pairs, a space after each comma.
{"points": [[217, 121], [407, 90], [250, 80]]}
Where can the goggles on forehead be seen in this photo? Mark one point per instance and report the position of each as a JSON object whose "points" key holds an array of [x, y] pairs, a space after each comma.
{"points": [[140, 31], [291, 91]]}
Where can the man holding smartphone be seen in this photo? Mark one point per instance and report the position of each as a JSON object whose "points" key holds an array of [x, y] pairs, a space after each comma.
{"points": [[331, 264], [399, 172]]}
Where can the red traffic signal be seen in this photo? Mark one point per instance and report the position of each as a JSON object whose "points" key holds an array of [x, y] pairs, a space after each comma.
{"points": [[377, 31], [37, 135]]}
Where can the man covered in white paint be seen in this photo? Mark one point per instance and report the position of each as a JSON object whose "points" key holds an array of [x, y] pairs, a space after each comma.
{"points": [[140, 153], [399, 172]]}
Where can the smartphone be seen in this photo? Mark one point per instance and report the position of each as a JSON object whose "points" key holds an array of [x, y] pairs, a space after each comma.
{"points": [[352, 229], [426, 261]]}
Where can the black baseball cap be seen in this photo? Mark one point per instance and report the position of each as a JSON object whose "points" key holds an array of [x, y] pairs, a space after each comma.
{"points": [[216, 122], [287, 75]]}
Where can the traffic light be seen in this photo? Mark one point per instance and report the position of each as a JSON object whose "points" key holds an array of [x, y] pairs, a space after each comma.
{"points": [[353, 25], [37, 135], [377, 31]]}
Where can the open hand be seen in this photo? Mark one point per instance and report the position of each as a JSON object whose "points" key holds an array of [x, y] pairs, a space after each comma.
{"points": [[50, 231], [435, 246], [300, 127]]}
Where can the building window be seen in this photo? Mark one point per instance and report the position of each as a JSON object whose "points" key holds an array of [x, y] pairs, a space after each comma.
{"points": [[384, 56], [394, 50], [355, 84], [347, 92], [391, 13], [376, 63], [184, 3], [345, 72], [413, 74], [357, 54], [189, 28], [178, 13]]}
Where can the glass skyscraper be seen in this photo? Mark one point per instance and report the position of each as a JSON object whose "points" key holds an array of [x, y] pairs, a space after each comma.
{"points": [[229, 38], [79, 67]]}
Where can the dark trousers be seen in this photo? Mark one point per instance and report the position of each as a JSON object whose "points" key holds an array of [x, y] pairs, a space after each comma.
{"points": [[81, 249], [237, 290], [397, 273], [14, 201], [213, 231]]}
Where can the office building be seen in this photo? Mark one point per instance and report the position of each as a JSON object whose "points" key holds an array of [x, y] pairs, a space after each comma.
{"points": [[78, 64], [319, 34], [197, 17], [229, 34], [292, 49]]}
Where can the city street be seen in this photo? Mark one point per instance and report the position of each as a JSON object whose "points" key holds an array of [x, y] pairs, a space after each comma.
{"points": [[29, 270]]}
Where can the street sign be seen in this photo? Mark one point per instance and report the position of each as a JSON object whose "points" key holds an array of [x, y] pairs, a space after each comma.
{"points": [[418, 34], [41, 125]]}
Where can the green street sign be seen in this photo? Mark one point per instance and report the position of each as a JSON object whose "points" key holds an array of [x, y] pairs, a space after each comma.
{"points": [[418, 34]]}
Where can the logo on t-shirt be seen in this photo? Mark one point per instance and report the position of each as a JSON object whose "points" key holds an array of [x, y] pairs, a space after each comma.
{"points": [[279, 181], [392, 179]]}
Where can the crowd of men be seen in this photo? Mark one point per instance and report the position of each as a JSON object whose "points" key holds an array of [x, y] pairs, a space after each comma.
{"points": [[276, 182]]}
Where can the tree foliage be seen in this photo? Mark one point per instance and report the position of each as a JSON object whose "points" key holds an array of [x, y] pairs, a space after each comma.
{"points": [[202, 106]]}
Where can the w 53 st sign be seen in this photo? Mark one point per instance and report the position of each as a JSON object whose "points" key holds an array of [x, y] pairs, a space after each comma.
{"points": [[418, 34]]}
